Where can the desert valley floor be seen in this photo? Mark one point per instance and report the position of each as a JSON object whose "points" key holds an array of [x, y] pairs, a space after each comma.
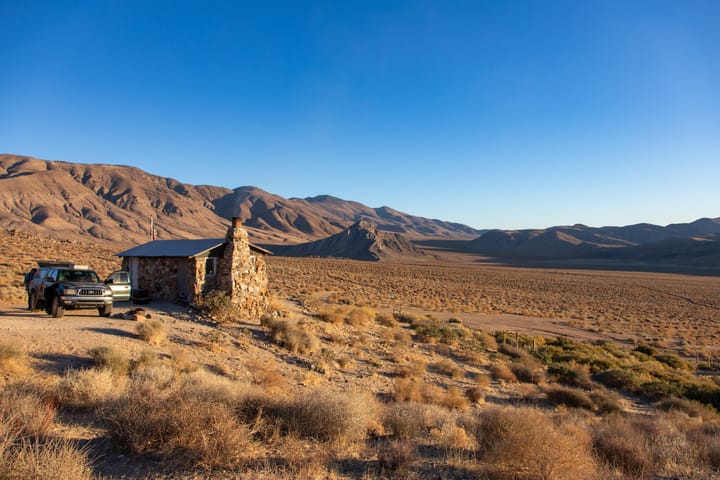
{"points": [[374, 370]]}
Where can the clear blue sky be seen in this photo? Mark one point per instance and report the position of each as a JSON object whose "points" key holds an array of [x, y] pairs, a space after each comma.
{"points": [[491, 113]]}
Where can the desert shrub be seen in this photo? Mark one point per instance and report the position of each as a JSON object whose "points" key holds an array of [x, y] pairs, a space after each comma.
{"points": [[414, 369], [333, 416], [706, 440], [396, 454], [691, 408], [152, 331], [428, 330], [189, 429], [336, 316], [570, 397], [524, 443], [182, 361], [218, 305], [12, 358], [112, 358], [88, 388], [453, 437], [359, 317], [406, 317], [512, 351], [158, 374], [449, 368], [572, 375], [47, 460], [412, 420], [483, 381], [646, 349], [454, 399], [501, 371], [673, 361], [486, 340], [291, 336], [25, 412], [619, 378], [475, 394], [606, 401], [526, 371], [406, 390], [386, 320], [623, 446]]}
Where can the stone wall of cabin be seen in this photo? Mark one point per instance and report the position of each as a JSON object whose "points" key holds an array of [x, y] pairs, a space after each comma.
{"points": [[242, 272], [159, 275]]}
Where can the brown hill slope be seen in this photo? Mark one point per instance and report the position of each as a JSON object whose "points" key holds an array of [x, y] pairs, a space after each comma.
{"points": [[103, 202], [361, 241], [114, 204]]}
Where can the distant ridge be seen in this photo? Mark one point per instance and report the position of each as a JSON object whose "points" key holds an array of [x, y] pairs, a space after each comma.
{"points": [[114, 204], [580, 241], [360, 241]]}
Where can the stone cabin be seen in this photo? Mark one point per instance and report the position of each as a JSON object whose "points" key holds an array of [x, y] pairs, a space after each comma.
{"points": [[185, 269]]}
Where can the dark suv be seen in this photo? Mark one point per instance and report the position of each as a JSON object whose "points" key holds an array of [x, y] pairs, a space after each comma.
{"points": [[68, 288]]}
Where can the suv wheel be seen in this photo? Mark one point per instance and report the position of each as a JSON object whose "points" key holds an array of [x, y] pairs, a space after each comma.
{"points": [[105, 311], [32, 301], [55, 309]]}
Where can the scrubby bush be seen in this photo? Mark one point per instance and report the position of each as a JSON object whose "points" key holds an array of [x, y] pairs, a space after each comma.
{"points": [[623, 446], [527, 371], [112, 358], [190, 429], [152, 331], [501, 371], [25, 411], [332, 416], [290, 335], [88, 388], [359, 317], [572, 375], [218, 305], [570, 397], [12, 358], [449, 368], [524, 443]]}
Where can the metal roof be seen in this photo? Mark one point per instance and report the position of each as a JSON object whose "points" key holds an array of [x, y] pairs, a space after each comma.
{"points": [[173, 248], [180, 248]]}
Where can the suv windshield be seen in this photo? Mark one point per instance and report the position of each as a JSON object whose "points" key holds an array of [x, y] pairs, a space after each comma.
{"points": [[78, 276]]}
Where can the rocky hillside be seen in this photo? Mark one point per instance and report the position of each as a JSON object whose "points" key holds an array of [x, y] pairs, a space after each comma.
{"points": [[361, 241], [114, 204]]}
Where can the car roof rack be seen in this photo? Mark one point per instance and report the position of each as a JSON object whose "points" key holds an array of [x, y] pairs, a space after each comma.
{"points": [[52, 263]]}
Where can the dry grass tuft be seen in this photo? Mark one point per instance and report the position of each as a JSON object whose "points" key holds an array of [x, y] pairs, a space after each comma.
{"points": [[49, 460], [290, 335], [89, 388], [524, 443], [449, 368], [192, 429], [152, 331], [340, 418], [112, 358], [501, 371], [26, 412], [570, 397], [13, 359]]}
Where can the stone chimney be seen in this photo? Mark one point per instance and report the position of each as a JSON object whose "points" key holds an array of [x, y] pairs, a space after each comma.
{"points": [[243, 274]]}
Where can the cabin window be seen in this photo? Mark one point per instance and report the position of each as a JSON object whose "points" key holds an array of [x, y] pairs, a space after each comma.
{"points": [[210, 266]]}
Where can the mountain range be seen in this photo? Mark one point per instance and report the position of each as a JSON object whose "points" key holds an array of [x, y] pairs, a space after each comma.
{"points": [[114, 204]]}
